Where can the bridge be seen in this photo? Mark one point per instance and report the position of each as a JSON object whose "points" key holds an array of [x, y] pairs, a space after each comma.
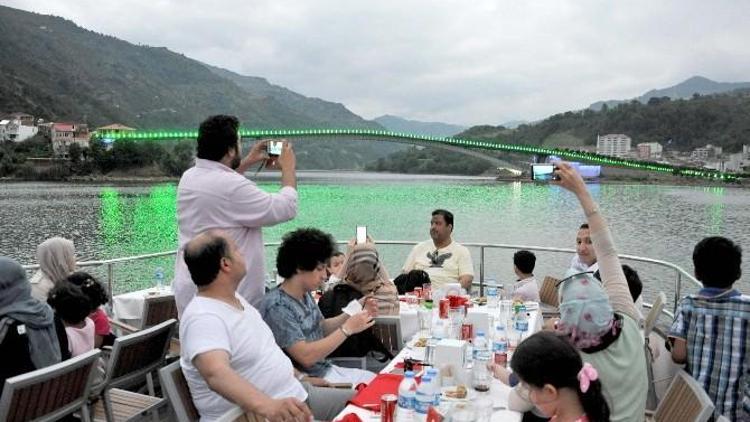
{"points": [[469, 146]]}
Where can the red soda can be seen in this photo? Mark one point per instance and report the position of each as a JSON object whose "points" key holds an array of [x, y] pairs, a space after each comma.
{"points": [[388, 403], [467, 331], [445, 304], [501, 358], [418, 292]]}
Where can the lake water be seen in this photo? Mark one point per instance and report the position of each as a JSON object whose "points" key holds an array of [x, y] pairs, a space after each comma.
{"points": [[662, 222]]}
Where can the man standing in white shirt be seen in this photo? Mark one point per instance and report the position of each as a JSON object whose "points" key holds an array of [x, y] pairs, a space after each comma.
{"points": [[214, 194], [229, 356], [443, 259]]}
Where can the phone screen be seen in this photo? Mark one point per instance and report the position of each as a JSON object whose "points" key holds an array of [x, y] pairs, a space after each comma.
{"points": [[274, 147], [542, 172], [361, 235]]}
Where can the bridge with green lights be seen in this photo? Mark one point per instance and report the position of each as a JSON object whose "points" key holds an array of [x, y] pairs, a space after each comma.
{"points": [[471, 146]]}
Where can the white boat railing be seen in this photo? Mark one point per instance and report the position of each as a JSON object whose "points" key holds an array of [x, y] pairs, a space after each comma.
{"points": [[680, 274]]}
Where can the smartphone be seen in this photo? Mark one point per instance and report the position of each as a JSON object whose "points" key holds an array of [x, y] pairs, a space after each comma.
{"points": [[361, 235], [543, 172], [274, 148]]}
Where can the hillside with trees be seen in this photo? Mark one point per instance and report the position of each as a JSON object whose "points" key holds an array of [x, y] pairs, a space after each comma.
{"points": [[681, 125], [60, 72]]}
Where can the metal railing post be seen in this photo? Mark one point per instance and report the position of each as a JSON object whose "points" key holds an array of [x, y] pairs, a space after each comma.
{"points": [[110, 276], [677, 290], [481, 271]]}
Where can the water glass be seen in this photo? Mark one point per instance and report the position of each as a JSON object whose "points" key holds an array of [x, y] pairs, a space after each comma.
{"points": [[504, 314], [425, 321], [456, 317]]}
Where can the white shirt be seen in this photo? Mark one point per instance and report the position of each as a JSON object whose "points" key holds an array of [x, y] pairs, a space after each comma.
{"points": [[209, 324], [444, 265], [526, 289], [213, 196], [577, 266]]}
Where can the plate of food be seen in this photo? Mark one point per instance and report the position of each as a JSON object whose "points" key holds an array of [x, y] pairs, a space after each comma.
{"points": [[418, 342], [481, 301], [458, 393]]}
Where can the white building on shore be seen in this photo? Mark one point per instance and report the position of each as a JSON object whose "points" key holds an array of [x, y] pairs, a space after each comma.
{"points": [[613, 144]]}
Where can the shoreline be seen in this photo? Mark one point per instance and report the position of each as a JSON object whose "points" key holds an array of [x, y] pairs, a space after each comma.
{"points": [[312, 174]]}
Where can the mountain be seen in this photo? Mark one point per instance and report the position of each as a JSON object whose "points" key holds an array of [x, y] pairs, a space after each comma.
{"points": [[58, 71], [683, 124], [398, 124], [686, 89]]}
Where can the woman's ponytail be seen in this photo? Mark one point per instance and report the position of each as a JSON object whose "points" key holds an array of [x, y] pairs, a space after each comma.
{"points": [[593, 402]]}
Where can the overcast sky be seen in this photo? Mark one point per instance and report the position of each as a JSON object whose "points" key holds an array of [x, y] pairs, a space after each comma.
{"points": [[465, 62]]}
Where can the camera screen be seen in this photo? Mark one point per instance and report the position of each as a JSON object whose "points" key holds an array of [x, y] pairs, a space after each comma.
{"points": [[542, 172], [274, 147]]}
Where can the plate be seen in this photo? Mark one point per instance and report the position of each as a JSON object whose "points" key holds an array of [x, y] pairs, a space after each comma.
{"points": [[471, 394]]}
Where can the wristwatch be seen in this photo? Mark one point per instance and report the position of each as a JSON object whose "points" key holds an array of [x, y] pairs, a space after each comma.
{"points": [[346, 333]]}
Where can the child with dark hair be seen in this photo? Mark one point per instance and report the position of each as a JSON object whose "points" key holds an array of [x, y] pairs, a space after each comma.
{"points": [[99, 297], [526, 288], [406, 282], [553, 377], [72, 306], [710, 332], [333, 270]]}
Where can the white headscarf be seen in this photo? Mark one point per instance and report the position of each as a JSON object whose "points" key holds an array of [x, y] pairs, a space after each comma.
{"points": [[57, 260]]}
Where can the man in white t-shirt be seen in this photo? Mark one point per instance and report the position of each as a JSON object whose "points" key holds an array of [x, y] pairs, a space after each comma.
{"points": [[229, 356], [443, 259]]}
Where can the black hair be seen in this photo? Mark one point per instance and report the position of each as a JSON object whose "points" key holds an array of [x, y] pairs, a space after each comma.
{"points": [[635, 285], [525, 261], [336, 253], [203, 258], [216, 136], [717, 261], [584, 226], [91, 287], [549, 358], [406, 282], [70, 303], [447, 216], [303, 250]]}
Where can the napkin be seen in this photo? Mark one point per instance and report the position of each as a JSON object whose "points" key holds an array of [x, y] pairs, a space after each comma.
{"points": [[352, 308]]}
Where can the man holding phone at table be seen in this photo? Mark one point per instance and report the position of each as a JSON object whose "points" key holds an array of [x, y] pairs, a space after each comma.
{"points": [[215, 194]]}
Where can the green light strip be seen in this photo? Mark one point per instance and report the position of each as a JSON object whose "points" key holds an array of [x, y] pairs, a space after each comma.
{"points": [[459, 142]]}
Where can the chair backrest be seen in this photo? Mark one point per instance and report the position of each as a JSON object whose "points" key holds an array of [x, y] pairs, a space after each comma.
{"points": [[548, 292], [176, 389], [653, 315], [157, 309], [685, 401], [50, 393], [388, 330], [137, 354]]}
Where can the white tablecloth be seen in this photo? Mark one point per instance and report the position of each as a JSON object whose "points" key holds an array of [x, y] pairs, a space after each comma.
{"points": [[128, 307], [409, 325]]}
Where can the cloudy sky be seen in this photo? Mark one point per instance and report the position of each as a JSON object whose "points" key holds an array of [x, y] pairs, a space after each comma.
{"points": [[465, 62]]}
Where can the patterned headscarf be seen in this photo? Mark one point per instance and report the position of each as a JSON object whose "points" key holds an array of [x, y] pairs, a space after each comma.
{"points": [[17, 305], [364, 271], [585, 312]]}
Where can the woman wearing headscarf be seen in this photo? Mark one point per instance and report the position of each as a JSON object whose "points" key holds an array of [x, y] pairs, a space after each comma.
{"points": [[57, 260], [363, 275], [30, 337], [601, 319]]}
